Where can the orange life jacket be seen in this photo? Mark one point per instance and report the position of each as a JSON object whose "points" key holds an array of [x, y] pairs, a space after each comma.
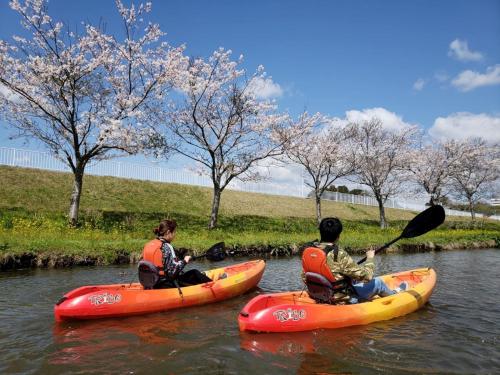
{"points": [[314, 260], [152, 253]]}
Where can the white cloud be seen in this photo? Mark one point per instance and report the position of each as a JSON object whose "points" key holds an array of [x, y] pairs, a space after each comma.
{"points": [[9, 94], [463, 125], [390, 120], [469, 80], [419, 84], [4, 91], [278, 170], [282, 178], [459, 49], [441, 76], [265, 88]]}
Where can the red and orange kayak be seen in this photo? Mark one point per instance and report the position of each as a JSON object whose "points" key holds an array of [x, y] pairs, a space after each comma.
{"points": [[295, 311], [119, 300]]}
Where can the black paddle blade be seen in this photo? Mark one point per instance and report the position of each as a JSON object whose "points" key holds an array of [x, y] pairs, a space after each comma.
{"points": [[216, 253], [424, 222]]}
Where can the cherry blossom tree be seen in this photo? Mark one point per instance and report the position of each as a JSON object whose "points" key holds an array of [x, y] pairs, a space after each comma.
{"points": [[224, 125], [431, 165], [381, 157], [323, 152], [86, 95], [475, 172]]}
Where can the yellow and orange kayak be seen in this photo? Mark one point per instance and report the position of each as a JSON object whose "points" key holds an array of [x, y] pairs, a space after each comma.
{"points": [[295, 311], [119, 300]]}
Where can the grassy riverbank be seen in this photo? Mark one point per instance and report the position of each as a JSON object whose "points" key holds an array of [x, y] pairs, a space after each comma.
{"points": [[117, 216]]}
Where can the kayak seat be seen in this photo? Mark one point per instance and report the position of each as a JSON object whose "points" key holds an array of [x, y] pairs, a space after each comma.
{"points": [[319, 288], [148, 274]]}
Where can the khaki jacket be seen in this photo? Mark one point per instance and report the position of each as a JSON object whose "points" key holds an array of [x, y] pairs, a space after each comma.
{"points": [[346, 266]]}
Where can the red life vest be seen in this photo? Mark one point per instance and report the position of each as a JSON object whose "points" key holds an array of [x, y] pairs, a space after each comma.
{"points": [[314, 260], [152, 253]]}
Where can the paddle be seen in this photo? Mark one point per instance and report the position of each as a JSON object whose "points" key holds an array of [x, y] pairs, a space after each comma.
{"points": [[422, 223], [216, 253]]}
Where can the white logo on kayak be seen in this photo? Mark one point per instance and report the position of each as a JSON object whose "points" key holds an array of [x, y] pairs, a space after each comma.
{"points": [[100, 299], [289, 314]]}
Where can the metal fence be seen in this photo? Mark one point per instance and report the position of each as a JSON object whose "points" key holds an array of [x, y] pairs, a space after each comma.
{"points": [[390, 203], [295, 185], [44, 160]]}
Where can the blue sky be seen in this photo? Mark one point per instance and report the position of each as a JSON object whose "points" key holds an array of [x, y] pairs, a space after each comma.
{"points": [[337, 56]]}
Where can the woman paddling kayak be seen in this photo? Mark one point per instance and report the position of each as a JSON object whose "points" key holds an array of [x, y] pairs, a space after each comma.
{"points": [[162, 255]]}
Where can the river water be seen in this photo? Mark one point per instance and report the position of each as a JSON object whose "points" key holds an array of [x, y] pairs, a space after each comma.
{"points": [[458, 332]]}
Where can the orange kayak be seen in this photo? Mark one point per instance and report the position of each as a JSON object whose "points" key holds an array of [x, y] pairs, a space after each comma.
{"points": [[119, 300], [295, 311]]}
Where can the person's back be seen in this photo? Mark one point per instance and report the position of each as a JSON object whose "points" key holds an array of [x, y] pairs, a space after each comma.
{"points": [[359, 278], [162, 255], [152, 253], [338, 260]]}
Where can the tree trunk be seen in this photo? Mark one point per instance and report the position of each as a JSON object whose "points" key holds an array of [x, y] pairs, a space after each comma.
{"points": [[74, 205], [471, 210], [432, 201], [318, 207], [383, 221], [215, 207]]}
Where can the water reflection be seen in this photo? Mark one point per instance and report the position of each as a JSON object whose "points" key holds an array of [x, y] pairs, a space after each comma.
{"points": [[340, 351], [283, 344], [164, 334], [83, 341]]}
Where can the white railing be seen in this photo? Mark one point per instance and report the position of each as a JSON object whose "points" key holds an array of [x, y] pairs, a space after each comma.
{"points": [[390, 203], [43, 160]]}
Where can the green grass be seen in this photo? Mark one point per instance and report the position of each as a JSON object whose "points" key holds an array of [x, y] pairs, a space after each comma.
{"points": [[117, 216]]}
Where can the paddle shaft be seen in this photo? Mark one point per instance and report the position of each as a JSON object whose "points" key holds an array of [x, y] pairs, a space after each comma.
{"points": [[213, 258], [215, 253], [193, 257], [382, 248], [425, 221]]}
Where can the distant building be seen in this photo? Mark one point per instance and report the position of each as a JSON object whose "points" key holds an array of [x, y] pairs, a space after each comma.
{"points": [[495, 202]]}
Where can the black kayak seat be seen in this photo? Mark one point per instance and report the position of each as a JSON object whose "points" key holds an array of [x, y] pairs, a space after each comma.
{"points": [[319, 288], [148, 274]]}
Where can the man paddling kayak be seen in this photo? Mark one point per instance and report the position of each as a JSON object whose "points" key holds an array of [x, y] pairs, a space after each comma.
{"points": [[349, 281], [162, 255]]}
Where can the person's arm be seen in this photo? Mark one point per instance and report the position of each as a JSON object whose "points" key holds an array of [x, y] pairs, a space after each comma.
{"points": [[171, 266], [348, 267]]}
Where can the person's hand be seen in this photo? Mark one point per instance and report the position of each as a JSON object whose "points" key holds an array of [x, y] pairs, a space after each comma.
{"points": [[370, 254], [187, 258]]}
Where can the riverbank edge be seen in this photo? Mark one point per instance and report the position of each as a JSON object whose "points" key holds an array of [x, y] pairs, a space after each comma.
{"points": [[50, 260]]}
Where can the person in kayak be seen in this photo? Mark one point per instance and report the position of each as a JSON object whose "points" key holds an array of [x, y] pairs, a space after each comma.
{"points": [[161, 253], [352, 281]]}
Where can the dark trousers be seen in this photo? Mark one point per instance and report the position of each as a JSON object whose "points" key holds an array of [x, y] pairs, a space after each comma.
{"points": [[193, 277]]}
